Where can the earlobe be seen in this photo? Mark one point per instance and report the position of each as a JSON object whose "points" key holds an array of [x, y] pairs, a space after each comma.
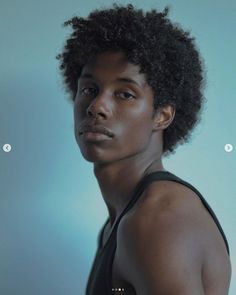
{"points": [[163, 117]]}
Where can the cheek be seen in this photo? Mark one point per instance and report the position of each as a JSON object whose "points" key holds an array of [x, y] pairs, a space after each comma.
{"points": [[139, 121], [79, 112], [79, 109], [77, 119], [135, 133]]}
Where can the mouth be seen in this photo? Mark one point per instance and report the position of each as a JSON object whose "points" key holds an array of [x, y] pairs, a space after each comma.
{"points": [[95, 133]]}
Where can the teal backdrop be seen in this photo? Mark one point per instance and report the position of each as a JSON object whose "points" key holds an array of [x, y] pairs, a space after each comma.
{"points": [[51, 208]]}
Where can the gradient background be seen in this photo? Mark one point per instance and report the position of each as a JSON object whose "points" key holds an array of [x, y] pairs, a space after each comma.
{"points": [[51, 208]]}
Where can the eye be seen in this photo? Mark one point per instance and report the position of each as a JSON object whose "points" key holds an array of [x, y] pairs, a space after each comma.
{"points": [[88, 91], [126, 95]]}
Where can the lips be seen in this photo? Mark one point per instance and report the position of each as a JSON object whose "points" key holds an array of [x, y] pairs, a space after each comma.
{"points": [[97, 129]]}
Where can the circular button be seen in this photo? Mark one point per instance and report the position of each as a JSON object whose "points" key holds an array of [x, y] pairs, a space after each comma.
{"points": [[7, 147], [228, 147]]}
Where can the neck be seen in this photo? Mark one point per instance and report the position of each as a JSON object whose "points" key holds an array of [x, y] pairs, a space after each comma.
{"points": [[118, 180]]}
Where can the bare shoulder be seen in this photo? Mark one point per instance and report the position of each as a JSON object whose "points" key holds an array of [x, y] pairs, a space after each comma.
{"points": [[170, 236]]}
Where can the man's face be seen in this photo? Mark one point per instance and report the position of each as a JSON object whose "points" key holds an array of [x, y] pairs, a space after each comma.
{"points": [[113, 94]]}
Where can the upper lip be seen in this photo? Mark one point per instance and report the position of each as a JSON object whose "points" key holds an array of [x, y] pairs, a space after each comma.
{"points": [[95, 129]]}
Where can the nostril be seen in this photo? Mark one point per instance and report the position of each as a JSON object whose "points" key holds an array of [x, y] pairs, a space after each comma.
{"points": [[92, 114]]}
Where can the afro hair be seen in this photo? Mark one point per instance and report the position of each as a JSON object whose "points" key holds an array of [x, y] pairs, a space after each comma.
{"points": [[165, 53]]}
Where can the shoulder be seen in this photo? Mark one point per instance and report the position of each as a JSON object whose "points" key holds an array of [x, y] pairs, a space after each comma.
{"points": [[166, 212], [165, 238]]}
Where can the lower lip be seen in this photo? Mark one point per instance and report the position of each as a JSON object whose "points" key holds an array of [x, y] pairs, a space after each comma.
{"points": [[92, 136]]}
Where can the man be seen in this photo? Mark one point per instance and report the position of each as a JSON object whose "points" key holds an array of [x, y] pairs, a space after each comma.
{"points": [[136, 83]]}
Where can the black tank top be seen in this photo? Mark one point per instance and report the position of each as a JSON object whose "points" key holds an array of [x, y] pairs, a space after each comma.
{"points": [[100, 278]]}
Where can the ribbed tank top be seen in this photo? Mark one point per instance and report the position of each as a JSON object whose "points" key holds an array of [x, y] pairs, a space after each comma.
{"points": [[100, 278]]}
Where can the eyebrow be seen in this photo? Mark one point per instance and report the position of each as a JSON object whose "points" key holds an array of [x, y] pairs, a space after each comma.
{"points": [[120, 79]]}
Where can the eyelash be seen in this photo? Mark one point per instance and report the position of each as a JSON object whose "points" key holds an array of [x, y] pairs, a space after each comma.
{"points": [[123, 92]]}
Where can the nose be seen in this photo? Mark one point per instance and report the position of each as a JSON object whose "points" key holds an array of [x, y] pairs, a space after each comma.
{"points": [[100, 106]]}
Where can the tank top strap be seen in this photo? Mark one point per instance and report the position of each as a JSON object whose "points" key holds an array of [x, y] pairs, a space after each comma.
{"points": [[140, 187], [143, 184]]}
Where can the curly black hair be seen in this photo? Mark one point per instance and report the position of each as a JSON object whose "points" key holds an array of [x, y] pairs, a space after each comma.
{"points": [[166, 54]]}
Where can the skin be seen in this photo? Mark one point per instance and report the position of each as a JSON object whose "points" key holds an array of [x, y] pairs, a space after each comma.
{"points": [[167, 208]]}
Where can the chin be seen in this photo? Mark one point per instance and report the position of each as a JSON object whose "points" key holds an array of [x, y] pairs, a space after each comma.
{"points": [[94, 155]]}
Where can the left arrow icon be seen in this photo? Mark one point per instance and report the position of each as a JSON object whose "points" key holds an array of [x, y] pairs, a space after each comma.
{"points": [[6, 147]]}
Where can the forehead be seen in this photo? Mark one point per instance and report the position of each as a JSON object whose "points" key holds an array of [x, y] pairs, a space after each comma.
{"points": [[112, 65]]}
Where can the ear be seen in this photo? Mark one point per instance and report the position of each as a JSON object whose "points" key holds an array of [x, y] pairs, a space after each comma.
{"points": [[163, 117]]}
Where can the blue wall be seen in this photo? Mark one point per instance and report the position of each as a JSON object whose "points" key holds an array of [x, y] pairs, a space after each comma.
{"points": [[50, 205]]}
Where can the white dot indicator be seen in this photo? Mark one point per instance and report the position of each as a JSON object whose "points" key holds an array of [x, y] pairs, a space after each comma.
{"points": [[7, 147], [228, 147], [118, 289]]}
